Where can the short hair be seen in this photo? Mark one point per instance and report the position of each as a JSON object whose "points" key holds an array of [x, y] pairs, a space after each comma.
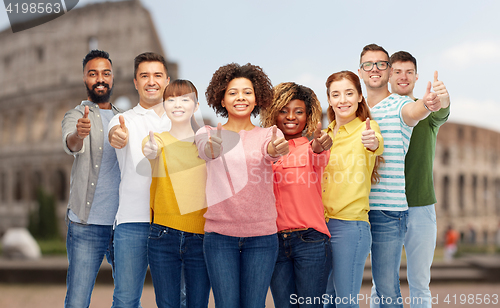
{"points": [[372, 47], [363, 111], [149, 57], [180, 87], [403, 56], [95, 53], [286, 92], [217, 87]]}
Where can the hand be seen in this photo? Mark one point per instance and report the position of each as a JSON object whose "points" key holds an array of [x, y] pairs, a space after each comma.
{"points": [[151, 148], [214, 145], [322, 141], [431, 99], [368, 138], [119, 137], [83, 125], [277, 147], [440, 89]]}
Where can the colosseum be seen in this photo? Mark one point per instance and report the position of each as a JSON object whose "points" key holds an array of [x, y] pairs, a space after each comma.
{"points": [[42, 79]]}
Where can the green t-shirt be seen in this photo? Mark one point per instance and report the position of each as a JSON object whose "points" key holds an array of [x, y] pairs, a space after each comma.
{"points": [[420, 159]]}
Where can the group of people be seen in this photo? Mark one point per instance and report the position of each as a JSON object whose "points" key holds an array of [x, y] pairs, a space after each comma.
{"points": [[239, 208]]}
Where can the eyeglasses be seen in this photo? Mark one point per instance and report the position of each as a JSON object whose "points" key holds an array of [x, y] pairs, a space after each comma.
{"points": [[368, 66]]}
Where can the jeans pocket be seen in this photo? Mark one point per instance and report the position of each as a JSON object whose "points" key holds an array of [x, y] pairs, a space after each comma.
{"points": [[199, 236], [393, 215], [312, 236], [157, 231]]}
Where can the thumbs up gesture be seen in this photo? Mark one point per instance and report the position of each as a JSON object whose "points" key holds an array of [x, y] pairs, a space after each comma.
{"points": [[213, 147], [431, 100], [83, 125], [277, 147], [119, 135], [368, 138], [151, 147], [322, 141], [440, 89]]}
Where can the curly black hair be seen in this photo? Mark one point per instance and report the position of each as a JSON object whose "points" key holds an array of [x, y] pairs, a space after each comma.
{"points": [[218, 85]]}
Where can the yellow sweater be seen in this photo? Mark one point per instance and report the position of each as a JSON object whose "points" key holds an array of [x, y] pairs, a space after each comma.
{"points": [[178, 185]]}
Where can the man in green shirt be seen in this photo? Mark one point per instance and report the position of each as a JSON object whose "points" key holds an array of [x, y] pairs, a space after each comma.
{"points": [[420, 240]]}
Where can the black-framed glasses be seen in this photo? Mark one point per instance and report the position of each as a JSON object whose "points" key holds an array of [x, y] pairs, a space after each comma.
{"points": [[381, 65]]}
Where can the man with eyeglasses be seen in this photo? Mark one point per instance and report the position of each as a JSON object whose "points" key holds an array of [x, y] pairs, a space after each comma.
{"points": [[396, 116], [420, 240]]}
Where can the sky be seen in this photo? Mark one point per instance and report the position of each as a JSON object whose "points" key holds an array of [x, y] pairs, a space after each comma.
{"points": [[305, 42]]}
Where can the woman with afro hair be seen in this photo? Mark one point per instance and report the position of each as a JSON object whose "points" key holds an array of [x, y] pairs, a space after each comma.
{"points": [[303, 260], [240, 242]]}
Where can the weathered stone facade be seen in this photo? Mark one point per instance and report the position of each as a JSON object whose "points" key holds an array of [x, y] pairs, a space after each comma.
{"points": [[467, 180], [42, 78]]}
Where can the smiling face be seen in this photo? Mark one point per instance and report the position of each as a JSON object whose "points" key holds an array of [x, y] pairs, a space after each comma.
{"points": [[375, 78], [344, 99], [98, 78], [180, 109], [239, 99], [292, 119], [403, 78], [150, 82]]}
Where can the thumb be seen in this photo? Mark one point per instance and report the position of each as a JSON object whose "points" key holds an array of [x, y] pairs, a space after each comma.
{"points": [[317, 132], [435, 76], [428, 91], [219, 130], [86, 112], [368, 127], [122, 122], [274, 137], [152, 137]]}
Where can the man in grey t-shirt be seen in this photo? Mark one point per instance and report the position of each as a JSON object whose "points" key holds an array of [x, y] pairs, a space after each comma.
{"points": [[95, 179]]}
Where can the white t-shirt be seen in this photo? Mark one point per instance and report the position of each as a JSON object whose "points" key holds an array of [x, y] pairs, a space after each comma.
{"points": [[134, 167]]}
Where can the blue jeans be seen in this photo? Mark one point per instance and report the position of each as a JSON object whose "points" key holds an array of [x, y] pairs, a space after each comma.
{"points": [[86, 246], [350, 242], [388, 233], [302, 268], [169, 251], [420, 243], [131, 263], [240, 268]]}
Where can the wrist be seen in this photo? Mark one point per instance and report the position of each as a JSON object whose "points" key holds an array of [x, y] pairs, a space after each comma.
{"points": [[425, 106], [78, 136]]}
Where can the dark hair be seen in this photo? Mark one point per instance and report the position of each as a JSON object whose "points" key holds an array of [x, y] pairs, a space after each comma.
{"points": [[372, 47], [218, 85], [93, 54], [362, 113], [180, 87], [149, 57], [403, 56], [286, 92]]}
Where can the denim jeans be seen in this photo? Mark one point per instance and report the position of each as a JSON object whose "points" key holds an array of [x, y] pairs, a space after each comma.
{"points": [[302, 268], [240, 268], [420, 243], [169, 250], [388, 230], [86, 246], [131, 263], [350, 244]]}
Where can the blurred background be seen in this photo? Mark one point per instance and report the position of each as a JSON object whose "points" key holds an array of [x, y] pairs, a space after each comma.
{"points": [[41, 78]]}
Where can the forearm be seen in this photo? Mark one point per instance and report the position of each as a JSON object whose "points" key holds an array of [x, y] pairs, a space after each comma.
{"points": [[74, 142], [414, 112]]}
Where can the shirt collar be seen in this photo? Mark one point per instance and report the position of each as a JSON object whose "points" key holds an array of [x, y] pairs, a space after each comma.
{"points": [[298, 141], [91, 105], [349, 127]]}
